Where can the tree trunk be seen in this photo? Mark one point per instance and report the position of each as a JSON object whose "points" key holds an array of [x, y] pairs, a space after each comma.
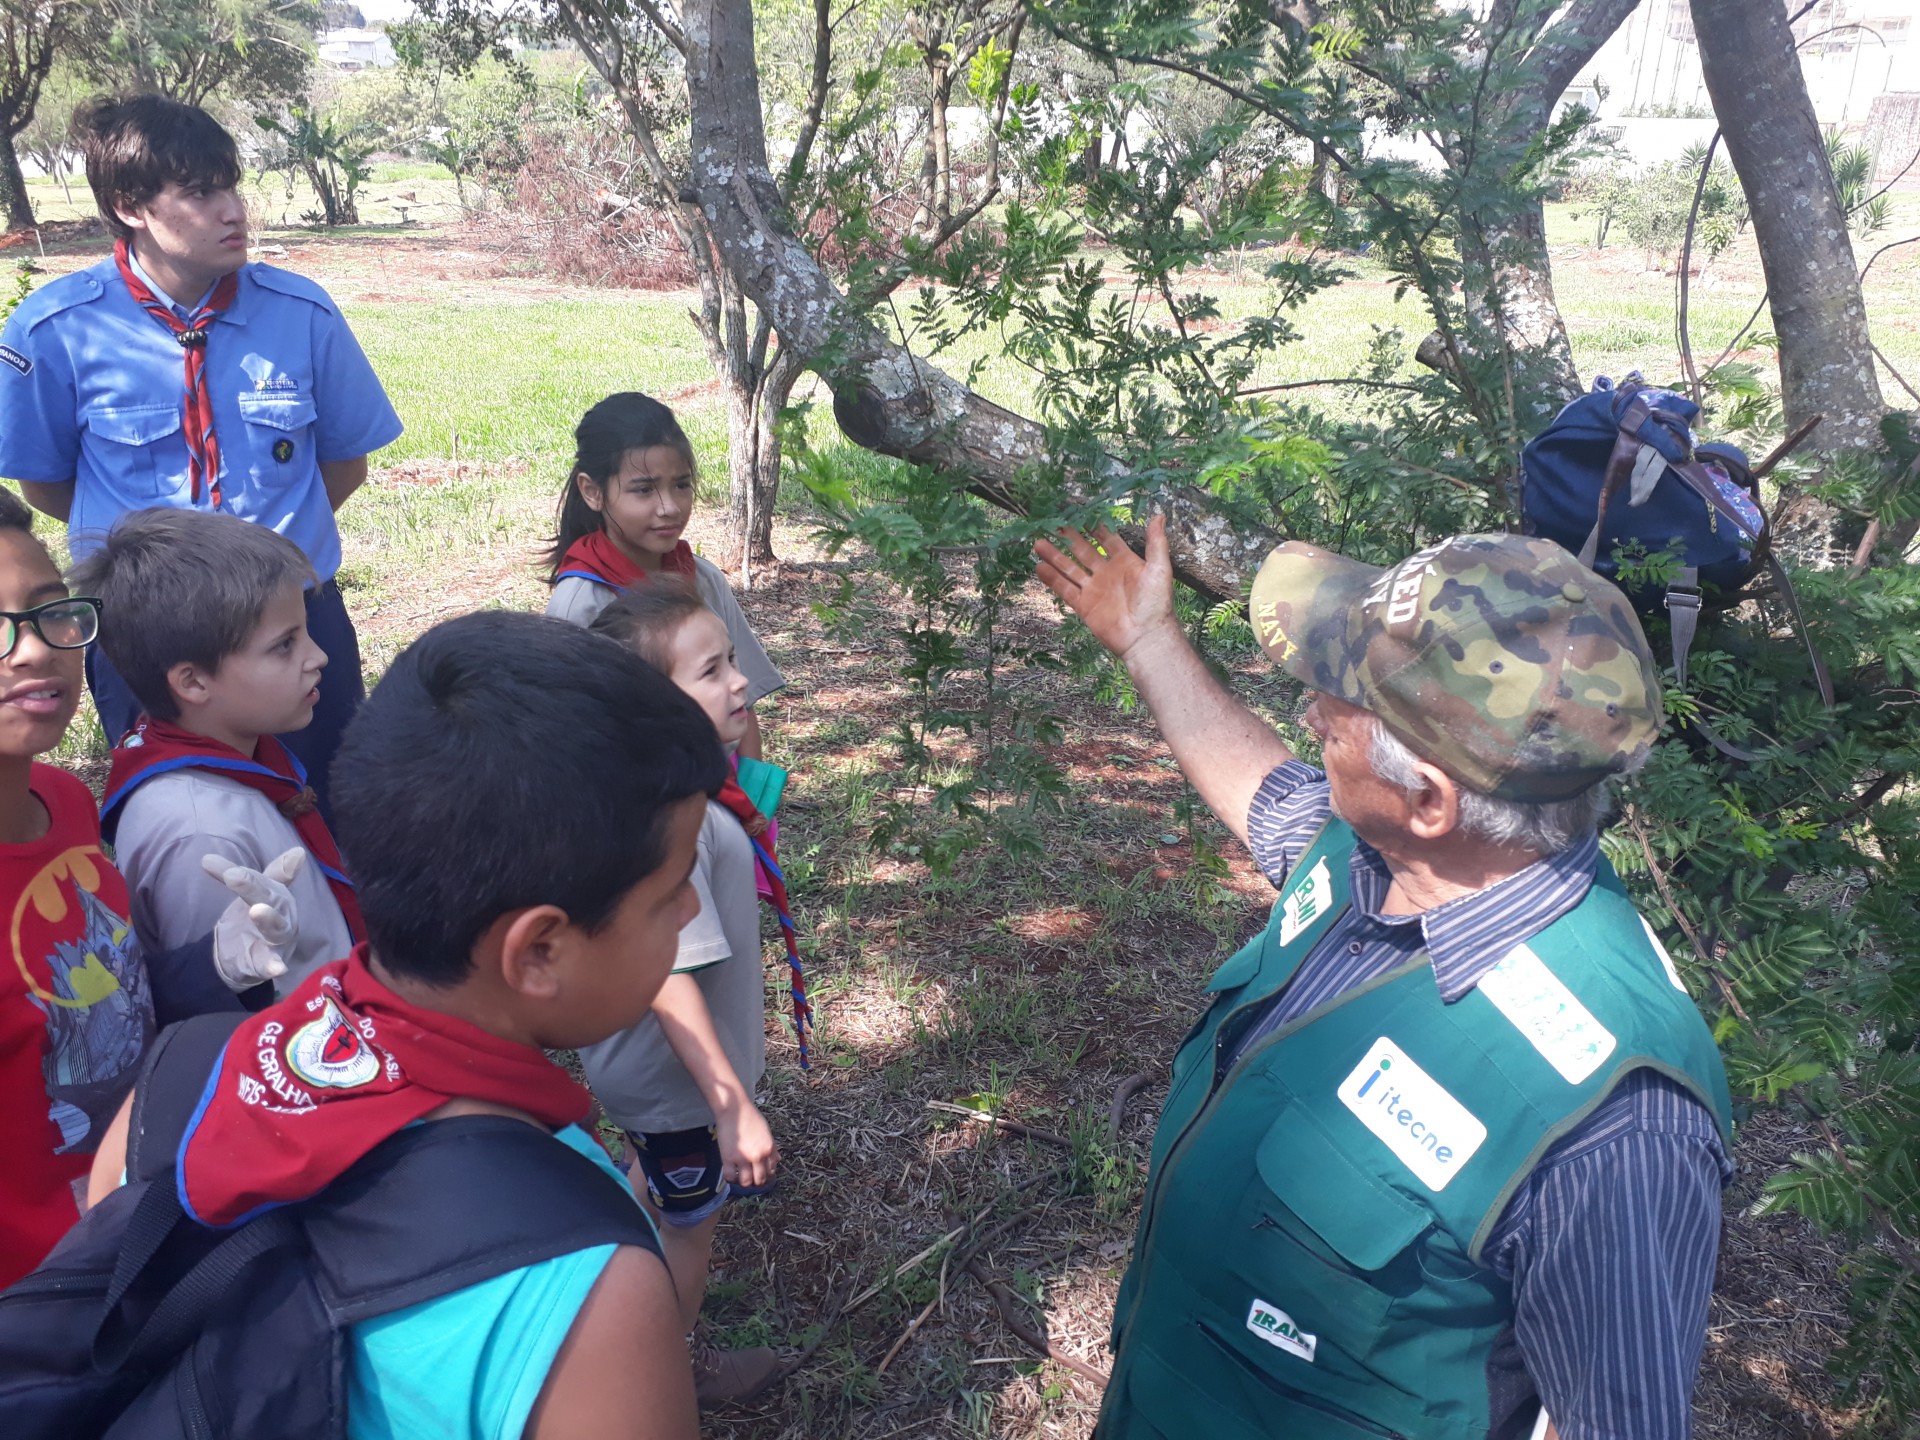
{"points": [[1813, 289], [14, 182], [1509, 279], [886, 399], [753, 462], [1506, 268]]}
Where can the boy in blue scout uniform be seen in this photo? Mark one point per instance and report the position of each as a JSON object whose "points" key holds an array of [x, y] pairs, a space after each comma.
{"points": [[176, 374], [1442, 1158]]}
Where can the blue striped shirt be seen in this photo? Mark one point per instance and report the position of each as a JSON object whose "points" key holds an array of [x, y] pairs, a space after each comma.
{"points": [[1611, 1243]]}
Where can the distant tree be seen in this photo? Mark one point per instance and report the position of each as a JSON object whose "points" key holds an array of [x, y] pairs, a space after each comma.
{"points": [[32, 33], [251, 51], [341, 15], [48, 138]]}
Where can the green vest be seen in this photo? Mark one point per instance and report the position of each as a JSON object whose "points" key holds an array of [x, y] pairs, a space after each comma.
{"points": [[1308, 1261]]}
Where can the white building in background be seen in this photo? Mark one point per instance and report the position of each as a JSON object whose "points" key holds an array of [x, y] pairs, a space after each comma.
{"points": [[1852, 52], [353, 49], [1861, 59]]}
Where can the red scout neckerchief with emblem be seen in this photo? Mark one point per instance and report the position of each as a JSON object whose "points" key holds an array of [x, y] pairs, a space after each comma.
{"points": [[312, 1083], [156, 748], [757, 827], [196, 423], [595, 557]]}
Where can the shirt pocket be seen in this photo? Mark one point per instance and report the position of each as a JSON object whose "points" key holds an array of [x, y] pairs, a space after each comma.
{"points": [[279, 438], [139, 448], [1346, 1240]]}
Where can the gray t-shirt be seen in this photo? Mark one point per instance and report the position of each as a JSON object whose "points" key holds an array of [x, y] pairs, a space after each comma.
{"points": [[635, 1074], [170, 821], [580, 600]]}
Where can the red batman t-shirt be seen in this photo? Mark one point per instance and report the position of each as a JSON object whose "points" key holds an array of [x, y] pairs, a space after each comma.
{"points": [[75, 1018]]}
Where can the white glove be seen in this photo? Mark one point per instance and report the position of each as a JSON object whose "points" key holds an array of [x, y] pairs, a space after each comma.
{"points": [[254, 936]]}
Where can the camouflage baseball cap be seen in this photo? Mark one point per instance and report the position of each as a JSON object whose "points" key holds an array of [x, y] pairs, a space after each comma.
{"points": [[1499, 658]]}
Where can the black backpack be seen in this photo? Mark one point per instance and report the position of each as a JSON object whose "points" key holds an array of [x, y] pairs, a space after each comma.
{"points": [[1619, 466], [143, 1323]]}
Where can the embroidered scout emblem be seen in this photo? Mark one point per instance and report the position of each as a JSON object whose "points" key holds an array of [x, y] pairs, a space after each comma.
{"points": [[283, 450], [1665, 958], [330, 1054], [1276, 1327], [1428, 1131], [11, 356], [1306, 902], [1552, 1018]]}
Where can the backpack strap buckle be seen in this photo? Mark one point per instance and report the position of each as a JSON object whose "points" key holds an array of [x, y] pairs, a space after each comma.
{"points": [[1683, 606]]}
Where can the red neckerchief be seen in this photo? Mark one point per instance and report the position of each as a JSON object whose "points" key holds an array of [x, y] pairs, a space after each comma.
{"points": [[155, 748], [755, 824], [595, 557], [312, 1083], [203, 446]]}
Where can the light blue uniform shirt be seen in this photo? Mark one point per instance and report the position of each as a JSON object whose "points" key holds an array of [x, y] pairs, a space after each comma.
{"points": [[92, 390]]}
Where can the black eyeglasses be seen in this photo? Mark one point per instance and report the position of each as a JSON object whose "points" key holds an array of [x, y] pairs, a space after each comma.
{"points": [[69, 624]]}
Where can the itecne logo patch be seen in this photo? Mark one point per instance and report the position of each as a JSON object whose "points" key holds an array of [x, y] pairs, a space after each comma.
{"points": [[1429, 1131], [1276, 1327]]}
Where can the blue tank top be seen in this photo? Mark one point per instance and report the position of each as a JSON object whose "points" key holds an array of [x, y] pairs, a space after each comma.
{"points": [[469, 1366]]}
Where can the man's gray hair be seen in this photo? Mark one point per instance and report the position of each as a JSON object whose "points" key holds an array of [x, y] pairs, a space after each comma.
{"points": [[1545, 828]]}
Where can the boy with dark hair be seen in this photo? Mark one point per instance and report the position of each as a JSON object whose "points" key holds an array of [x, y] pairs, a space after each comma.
{"points": [[681, 1082], [175, 373], [499, 923], [79, 998], [204, 619]]}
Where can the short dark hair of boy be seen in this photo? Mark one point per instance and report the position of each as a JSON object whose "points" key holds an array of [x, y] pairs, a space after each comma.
{"points": [[508, 760], [646, 618], [182, 585], [136, 147], [14, 514]]}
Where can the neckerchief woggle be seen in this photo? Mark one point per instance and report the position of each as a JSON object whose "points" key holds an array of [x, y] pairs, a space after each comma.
{"points": [[311, 1084], [196, 417], [155, 747]]}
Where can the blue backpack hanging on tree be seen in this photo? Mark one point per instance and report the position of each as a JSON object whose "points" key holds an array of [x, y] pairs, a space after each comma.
{"points": [[1698, 504]]}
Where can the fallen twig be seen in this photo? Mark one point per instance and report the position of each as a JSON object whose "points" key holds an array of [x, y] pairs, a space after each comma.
{"points": [[1008, 1305], [987, 1117], [907, 1334], [1129, 1087], [1786, 447]]}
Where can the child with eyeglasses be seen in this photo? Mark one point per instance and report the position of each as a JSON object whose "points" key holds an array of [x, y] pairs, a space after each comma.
{"points": [[78, 997]]}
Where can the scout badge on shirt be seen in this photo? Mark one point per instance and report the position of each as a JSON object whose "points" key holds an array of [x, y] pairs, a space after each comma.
{"points": [[312, 1083], [283, 450]]}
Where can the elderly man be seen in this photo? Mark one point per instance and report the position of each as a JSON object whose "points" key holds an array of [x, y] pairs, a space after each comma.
{"points": [[1443, 1157]]}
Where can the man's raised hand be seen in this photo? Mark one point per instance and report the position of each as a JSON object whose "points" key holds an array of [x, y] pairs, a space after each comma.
{"points": [[1122, 598]]}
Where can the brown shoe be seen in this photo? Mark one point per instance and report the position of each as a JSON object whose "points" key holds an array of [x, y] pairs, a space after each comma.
{"points": [[726, 1377]]}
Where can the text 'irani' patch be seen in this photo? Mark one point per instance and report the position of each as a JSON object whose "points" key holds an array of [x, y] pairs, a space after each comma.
{"points": [[1551, 1016], [11, 356], [1276, 1327], [1429, 1131], [1306, 902]]}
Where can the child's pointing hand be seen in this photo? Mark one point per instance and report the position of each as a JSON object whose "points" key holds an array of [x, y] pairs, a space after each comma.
{"points": [[255, 935]]}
